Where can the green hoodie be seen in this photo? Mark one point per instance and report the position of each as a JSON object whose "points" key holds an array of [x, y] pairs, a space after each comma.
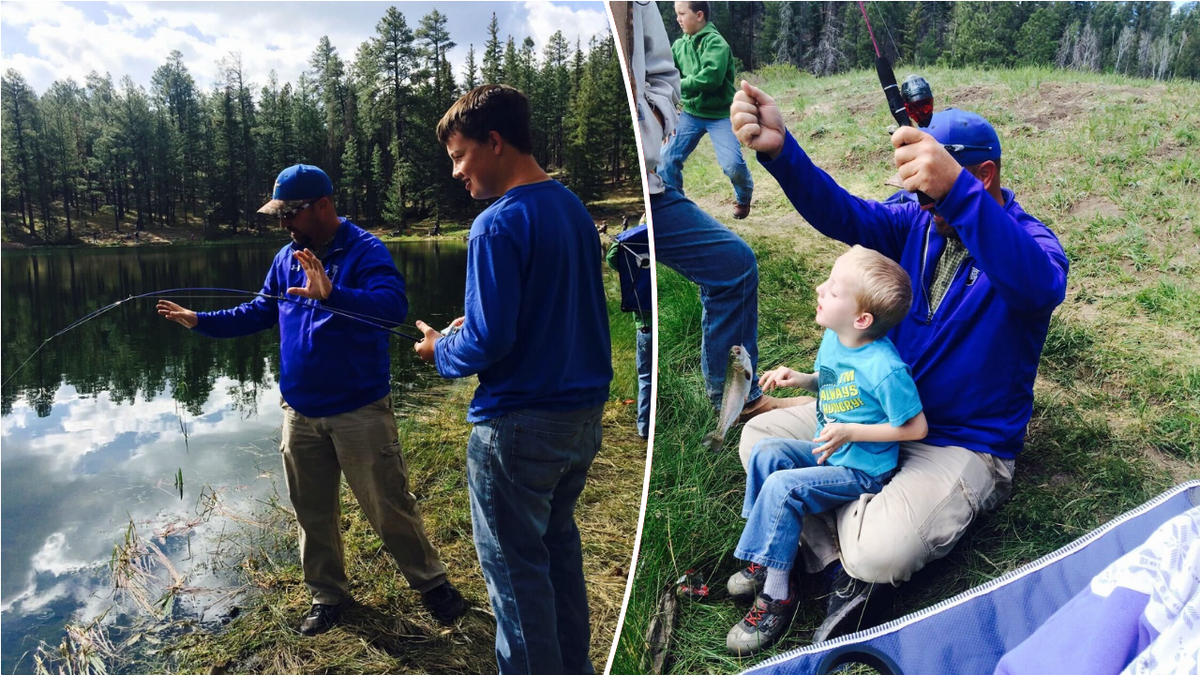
{"points": [[706, 64]]}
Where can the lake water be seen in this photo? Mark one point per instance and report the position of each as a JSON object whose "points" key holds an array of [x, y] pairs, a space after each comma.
{"points": [[97, 428]]}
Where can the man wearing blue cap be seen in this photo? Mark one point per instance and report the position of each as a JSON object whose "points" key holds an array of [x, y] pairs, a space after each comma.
{"points": [[986, 278], [336, 392]]}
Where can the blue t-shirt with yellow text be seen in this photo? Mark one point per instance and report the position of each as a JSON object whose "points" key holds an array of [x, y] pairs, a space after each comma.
{"points": [[867, 385]]}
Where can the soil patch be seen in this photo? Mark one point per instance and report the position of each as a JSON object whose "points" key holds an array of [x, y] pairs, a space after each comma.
{"points": [[1095, 205]]}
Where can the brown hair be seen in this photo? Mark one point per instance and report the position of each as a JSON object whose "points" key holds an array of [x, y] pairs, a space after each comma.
{"points": [[700, 6], [884, 289], [487, 108]]}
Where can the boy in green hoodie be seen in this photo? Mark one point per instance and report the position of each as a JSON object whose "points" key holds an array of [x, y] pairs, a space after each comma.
{"points": [[706, 66]]}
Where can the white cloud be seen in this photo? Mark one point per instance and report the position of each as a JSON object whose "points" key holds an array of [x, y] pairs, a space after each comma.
{"points": [[89, 423], [53, 557], [545, 18]]}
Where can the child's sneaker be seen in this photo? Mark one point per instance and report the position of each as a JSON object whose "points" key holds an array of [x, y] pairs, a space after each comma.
{"points": [[766, 622], [747, 582]]}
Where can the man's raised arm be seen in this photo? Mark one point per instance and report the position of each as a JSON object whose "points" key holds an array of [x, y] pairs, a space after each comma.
{"points": [[827, 206]]}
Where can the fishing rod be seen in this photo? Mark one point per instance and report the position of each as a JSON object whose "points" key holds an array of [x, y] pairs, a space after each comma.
{"points": [[915, 87], [189, 293]]}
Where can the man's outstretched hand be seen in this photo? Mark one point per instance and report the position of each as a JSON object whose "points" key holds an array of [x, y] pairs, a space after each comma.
{"points": [[924, 163], [756, 120], [317, 285], [424, 348], [180, 315]]}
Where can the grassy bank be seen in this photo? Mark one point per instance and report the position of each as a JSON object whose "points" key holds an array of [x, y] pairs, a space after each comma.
{"points": [[1112, 165]]}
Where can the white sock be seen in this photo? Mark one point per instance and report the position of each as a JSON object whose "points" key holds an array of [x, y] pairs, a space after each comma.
{"points": [[777, 584]]}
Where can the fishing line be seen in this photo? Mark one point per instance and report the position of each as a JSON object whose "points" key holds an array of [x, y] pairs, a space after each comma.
{"points": [[189, 293], [869, 31]]}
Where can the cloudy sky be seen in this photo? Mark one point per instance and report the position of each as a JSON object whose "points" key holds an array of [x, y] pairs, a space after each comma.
{"points": [[46, 41]]}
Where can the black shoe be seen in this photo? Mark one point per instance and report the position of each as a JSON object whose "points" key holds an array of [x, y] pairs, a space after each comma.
{"points": [[853, 605], [445, 603], [320, 619]]}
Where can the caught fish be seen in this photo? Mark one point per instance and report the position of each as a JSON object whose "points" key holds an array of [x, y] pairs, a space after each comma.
{"points": [[738, 376], [660, 631]]}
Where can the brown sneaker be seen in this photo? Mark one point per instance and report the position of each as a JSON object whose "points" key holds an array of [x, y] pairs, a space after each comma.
{"points": [[766, 403], [740, 211]]}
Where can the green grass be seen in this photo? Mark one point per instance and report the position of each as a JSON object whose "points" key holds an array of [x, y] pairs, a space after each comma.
{"points": [[1109, 164]]}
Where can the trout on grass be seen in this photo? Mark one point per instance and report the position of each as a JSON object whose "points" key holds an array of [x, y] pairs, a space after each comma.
{"points": [[738, 376]]}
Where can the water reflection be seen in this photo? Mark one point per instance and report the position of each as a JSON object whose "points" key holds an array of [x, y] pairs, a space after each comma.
{"points": [[96, 427]]}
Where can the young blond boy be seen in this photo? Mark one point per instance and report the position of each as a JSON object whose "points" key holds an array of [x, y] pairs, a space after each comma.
{"points": [[867, 403]]}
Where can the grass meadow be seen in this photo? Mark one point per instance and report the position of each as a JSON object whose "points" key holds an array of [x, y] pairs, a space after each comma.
{"points": [[1112, 165]]}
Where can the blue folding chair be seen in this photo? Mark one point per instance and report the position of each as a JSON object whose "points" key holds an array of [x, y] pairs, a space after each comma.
{"points": [[968, 633]]}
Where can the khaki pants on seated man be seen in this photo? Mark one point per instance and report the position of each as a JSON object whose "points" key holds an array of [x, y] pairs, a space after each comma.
{"points": [[917, 518]]}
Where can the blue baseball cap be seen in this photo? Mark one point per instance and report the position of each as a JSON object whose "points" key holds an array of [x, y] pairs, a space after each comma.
{"points": [[968, 137], [295, 186]]}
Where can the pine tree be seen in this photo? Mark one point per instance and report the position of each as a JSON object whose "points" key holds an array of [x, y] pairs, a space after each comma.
{"points": [[19, 103], [493, 69], [471, 74], [352, 179]]}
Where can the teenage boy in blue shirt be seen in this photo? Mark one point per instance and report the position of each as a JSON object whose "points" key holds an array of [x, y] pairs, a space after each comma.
{"points": [[535, 331], [867, 403], [986, 278], [335, 389]]}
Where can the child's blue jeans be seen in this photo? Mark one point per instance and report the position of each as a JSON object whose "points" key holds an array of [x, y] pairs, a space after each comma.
{"points": [[688, 132], [784, 483]]}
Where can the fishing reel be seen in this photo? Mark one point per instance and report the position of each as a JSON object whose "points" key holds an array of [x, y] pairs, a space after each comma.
{"points": [[918, 100]]}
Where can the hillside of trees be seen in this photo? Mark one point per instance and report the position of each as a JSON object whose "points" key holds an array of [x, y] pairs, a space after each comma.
{"points": [[121, 155], [1140, 39]]}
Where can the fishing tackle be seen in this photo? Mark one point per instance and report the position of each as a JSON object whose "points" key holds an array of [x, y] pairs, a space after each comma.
{"points": [[918, 99], [896, 100], [374, 322]]}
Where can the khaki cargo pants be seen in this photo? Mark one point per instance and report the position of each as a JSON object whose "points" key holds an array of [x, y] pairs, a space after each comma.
{"points": [[363, 444], [917, 518]]}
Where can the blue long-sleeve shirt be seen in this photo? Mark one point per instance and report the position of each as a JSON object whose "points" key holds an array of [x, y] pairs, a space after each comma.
{"points": [[975, 358], [329, 364], [536, 328]]}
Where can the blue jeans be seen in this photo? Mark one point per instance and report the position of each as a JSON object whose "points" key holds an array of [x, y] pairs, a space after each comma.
{"points": [[645, 365], [710, 255], [729, 154], [525, 471], [784, 483]]}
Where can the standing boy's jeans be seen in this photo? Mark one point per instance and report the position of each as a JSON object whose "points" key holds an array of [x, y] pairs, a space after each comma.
{"points": [[784, 483], [687, 136], [645, 339], [525, 471], [710, 255]]}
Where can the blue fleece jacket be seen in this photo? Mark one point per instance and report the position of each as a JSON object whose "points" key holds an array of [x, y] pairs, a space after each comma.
{"points": [[330, 364], [975, 359], [536, 329]]}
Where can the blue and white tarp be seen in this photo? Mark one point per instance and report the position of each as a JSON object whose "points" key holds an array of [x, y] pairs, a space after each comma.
{"points": [[969, 633]]}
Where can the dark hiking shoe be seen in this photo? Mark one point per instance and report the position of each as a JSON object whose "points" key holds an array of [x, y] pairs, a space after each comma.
{"points": [[445, 603], [320, 618], [740, 211], [852, 606], [766, 622], [747, 582]]}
